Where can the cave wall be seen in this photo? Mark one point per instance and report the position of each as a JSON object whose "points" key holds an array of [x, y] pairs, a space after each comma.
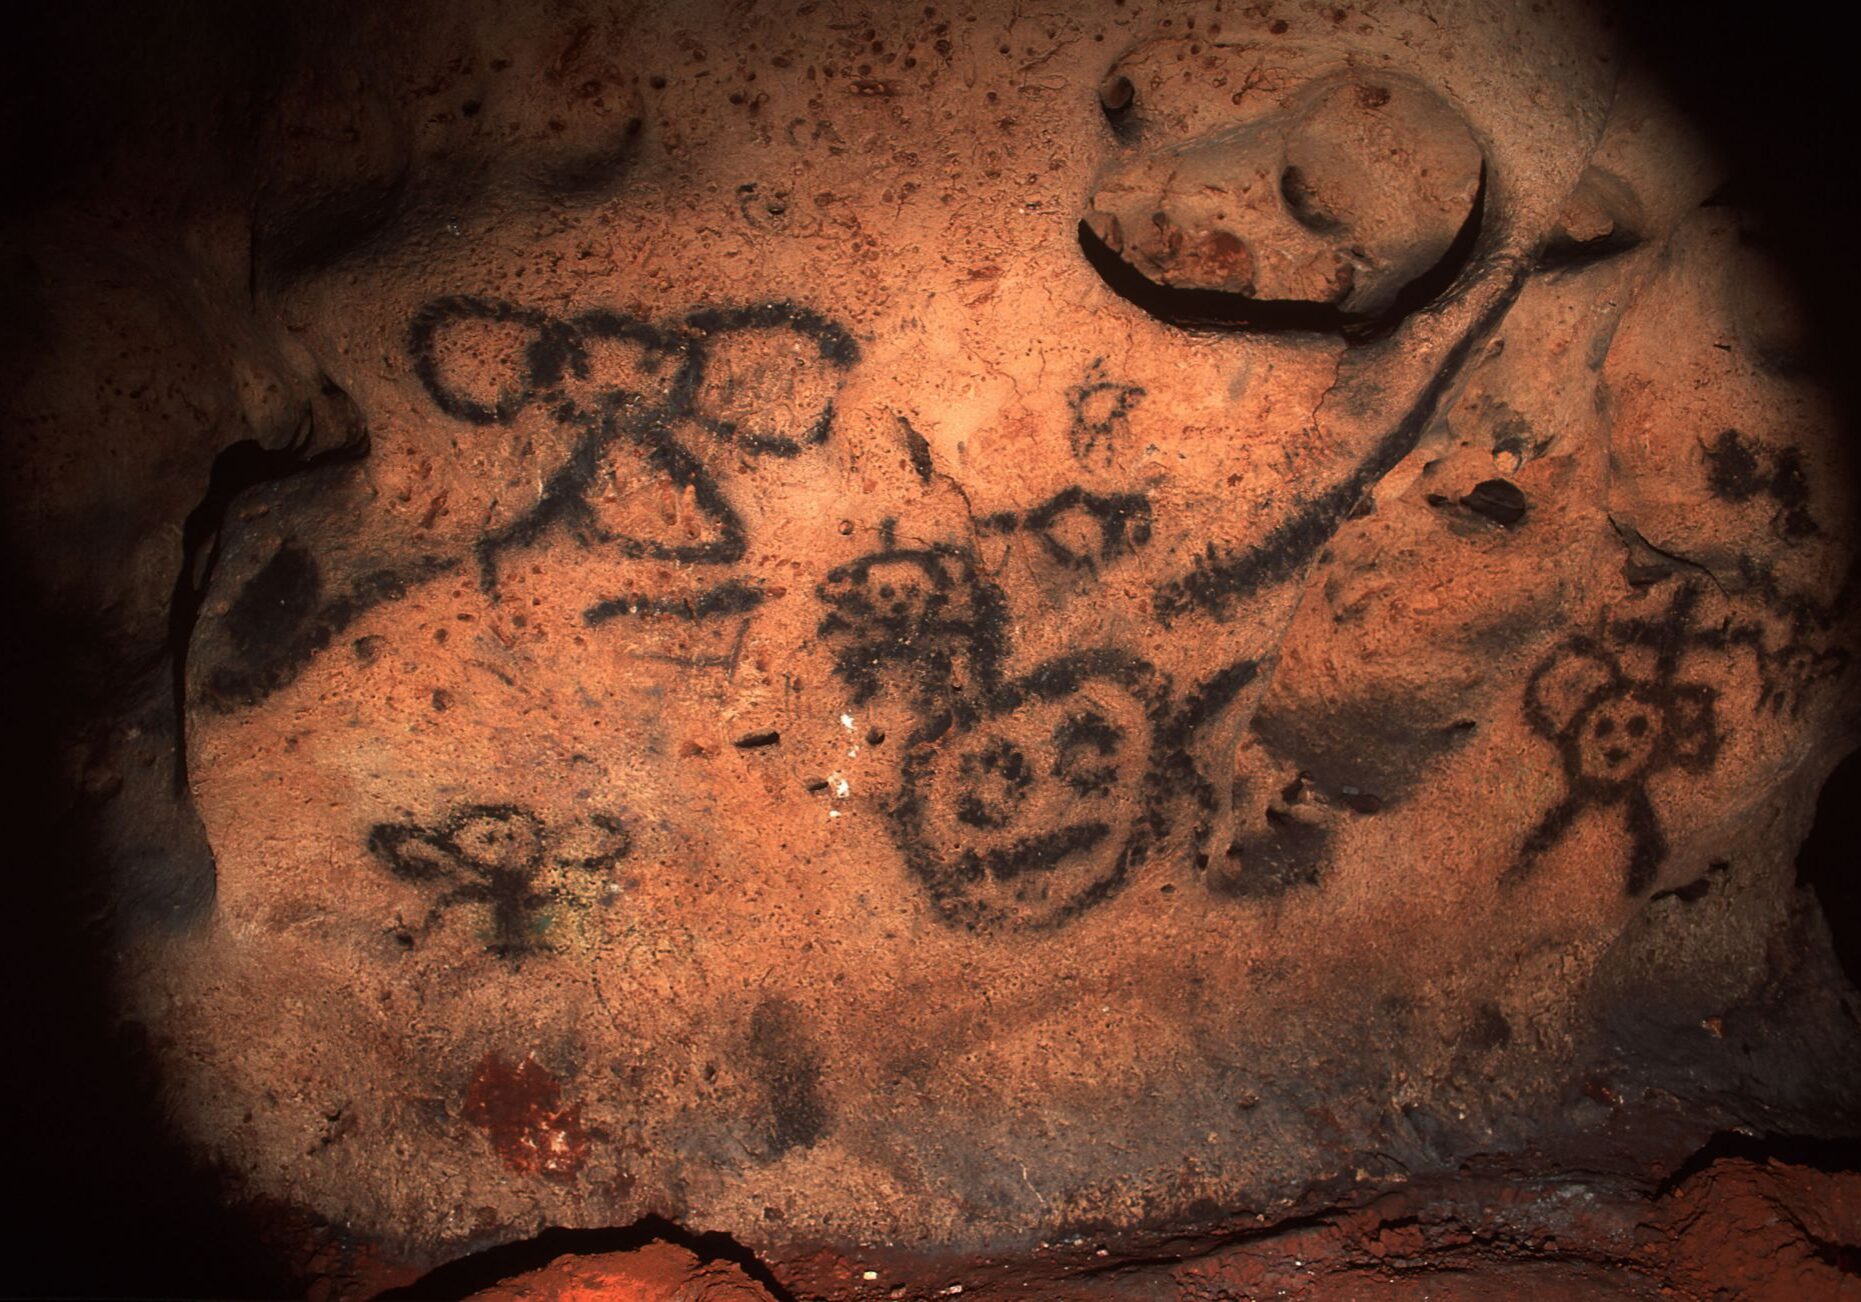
{"points": [[956, 628]]}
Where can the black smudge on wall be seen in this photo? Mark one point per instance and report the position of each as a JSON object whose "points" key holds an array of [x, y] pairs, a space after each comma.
{"points": [[281, 618], [1284, 852], [1379, 745], [786, 1064]]}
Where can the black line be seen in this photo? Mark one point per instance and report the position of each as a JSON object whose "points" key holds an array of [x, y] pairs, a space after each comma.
{"points": [[733, 598], [917, 448], [1215, 582]]}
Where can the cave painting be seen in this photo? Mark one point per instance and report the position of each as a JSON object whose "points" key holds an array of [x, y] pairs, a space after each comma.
{"points": [[1613, 732], [1017, 803], [1100, 408], [492, 856], [626, 386], [896, 626], [1022, 802]]}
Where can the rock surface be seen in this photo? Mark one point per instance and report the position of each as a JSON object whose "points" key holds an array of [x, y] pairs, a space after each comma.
{"points": [[1735, 1227], [659, 1272], [955, 629]]}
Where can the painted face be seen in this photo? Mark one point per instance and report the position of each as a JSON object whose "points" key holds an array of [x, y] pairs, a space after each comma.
{"points": [[1617, 739], [985, 571]]}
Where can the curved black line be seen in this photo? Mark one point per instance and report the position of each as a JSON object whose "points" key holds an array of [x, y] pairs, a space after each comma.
{"points": [[1647, 842], [834, 343], [1219, 309], [1549, 830], [1216, 580], [542, 357], [564, 500]]}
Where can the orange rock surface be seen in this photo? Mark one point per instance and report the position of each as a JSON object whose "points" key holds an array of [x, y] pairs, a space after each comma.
{"points": [[956, 627], [659, 1272]]}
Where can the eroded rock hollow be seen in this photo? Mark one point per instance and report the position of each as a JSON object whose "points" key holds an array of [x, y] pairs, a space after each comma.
{"points": [[960, 643]]}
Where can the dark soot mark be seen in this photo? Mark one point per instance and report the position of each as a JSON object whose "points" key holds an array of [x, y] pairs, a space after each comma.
{"points": [[1732, 469], [1286, 852], [731, 598], [788, 1066], [1739, 469], [277, 623], [1378, 749], [918, 449]]}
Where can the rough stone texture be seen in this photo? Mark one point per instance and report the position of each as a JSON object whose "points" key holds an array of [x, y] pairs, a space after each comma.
{"points": [[1351, 191], [659, 1272], [1733, 1228], [951, 628]]}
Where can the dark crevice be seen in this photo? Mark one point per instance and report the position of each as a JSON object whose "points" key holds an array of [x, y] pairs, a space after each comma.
{"points": [[481, 1270], [100, 1148], [1563, 254], [1116, 99], [1826, 864], [1438, 279], [1697, 889], [1296, 193], [1209, 308], [1219, 1243], [1647, 564], [1225, 310], [1829, 1156], [240, 466], [1841, 1256]]}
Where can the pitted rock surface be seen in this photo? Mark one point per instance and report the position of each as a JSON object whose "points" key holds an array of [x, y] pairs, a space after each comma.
{"points": [[963, 627]]}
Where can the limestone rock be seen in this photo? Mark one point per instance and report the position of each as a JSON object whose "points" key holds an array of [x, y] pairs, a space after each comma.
{"points": [[961, 630], [1340, 197], [659, 1272]]}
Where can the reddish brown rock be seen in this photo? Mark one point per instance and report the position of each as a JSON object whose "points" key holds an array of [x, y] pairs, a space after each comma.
{"points": [[659, 1272], [1336, 192], [520, 1110], [934, 638]]}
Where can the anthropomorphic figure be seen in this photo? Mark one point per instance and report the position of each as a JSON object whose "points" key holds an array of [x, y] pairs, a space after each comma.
{"points": [[963, 622]]}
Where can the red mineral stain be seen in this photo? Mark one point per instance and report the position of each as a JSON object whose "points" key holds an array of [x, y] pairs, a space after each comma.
{"points": [[519, 1107]]}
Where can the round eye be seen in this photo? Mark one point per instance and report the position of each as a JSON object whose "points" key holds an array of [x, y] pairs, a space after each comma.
{"points": [[1083, 743]]}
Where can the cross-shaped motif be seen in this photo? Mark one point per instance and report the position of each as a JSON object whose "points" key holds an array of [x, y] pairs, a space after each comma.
{"points": [[491, 855]]}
